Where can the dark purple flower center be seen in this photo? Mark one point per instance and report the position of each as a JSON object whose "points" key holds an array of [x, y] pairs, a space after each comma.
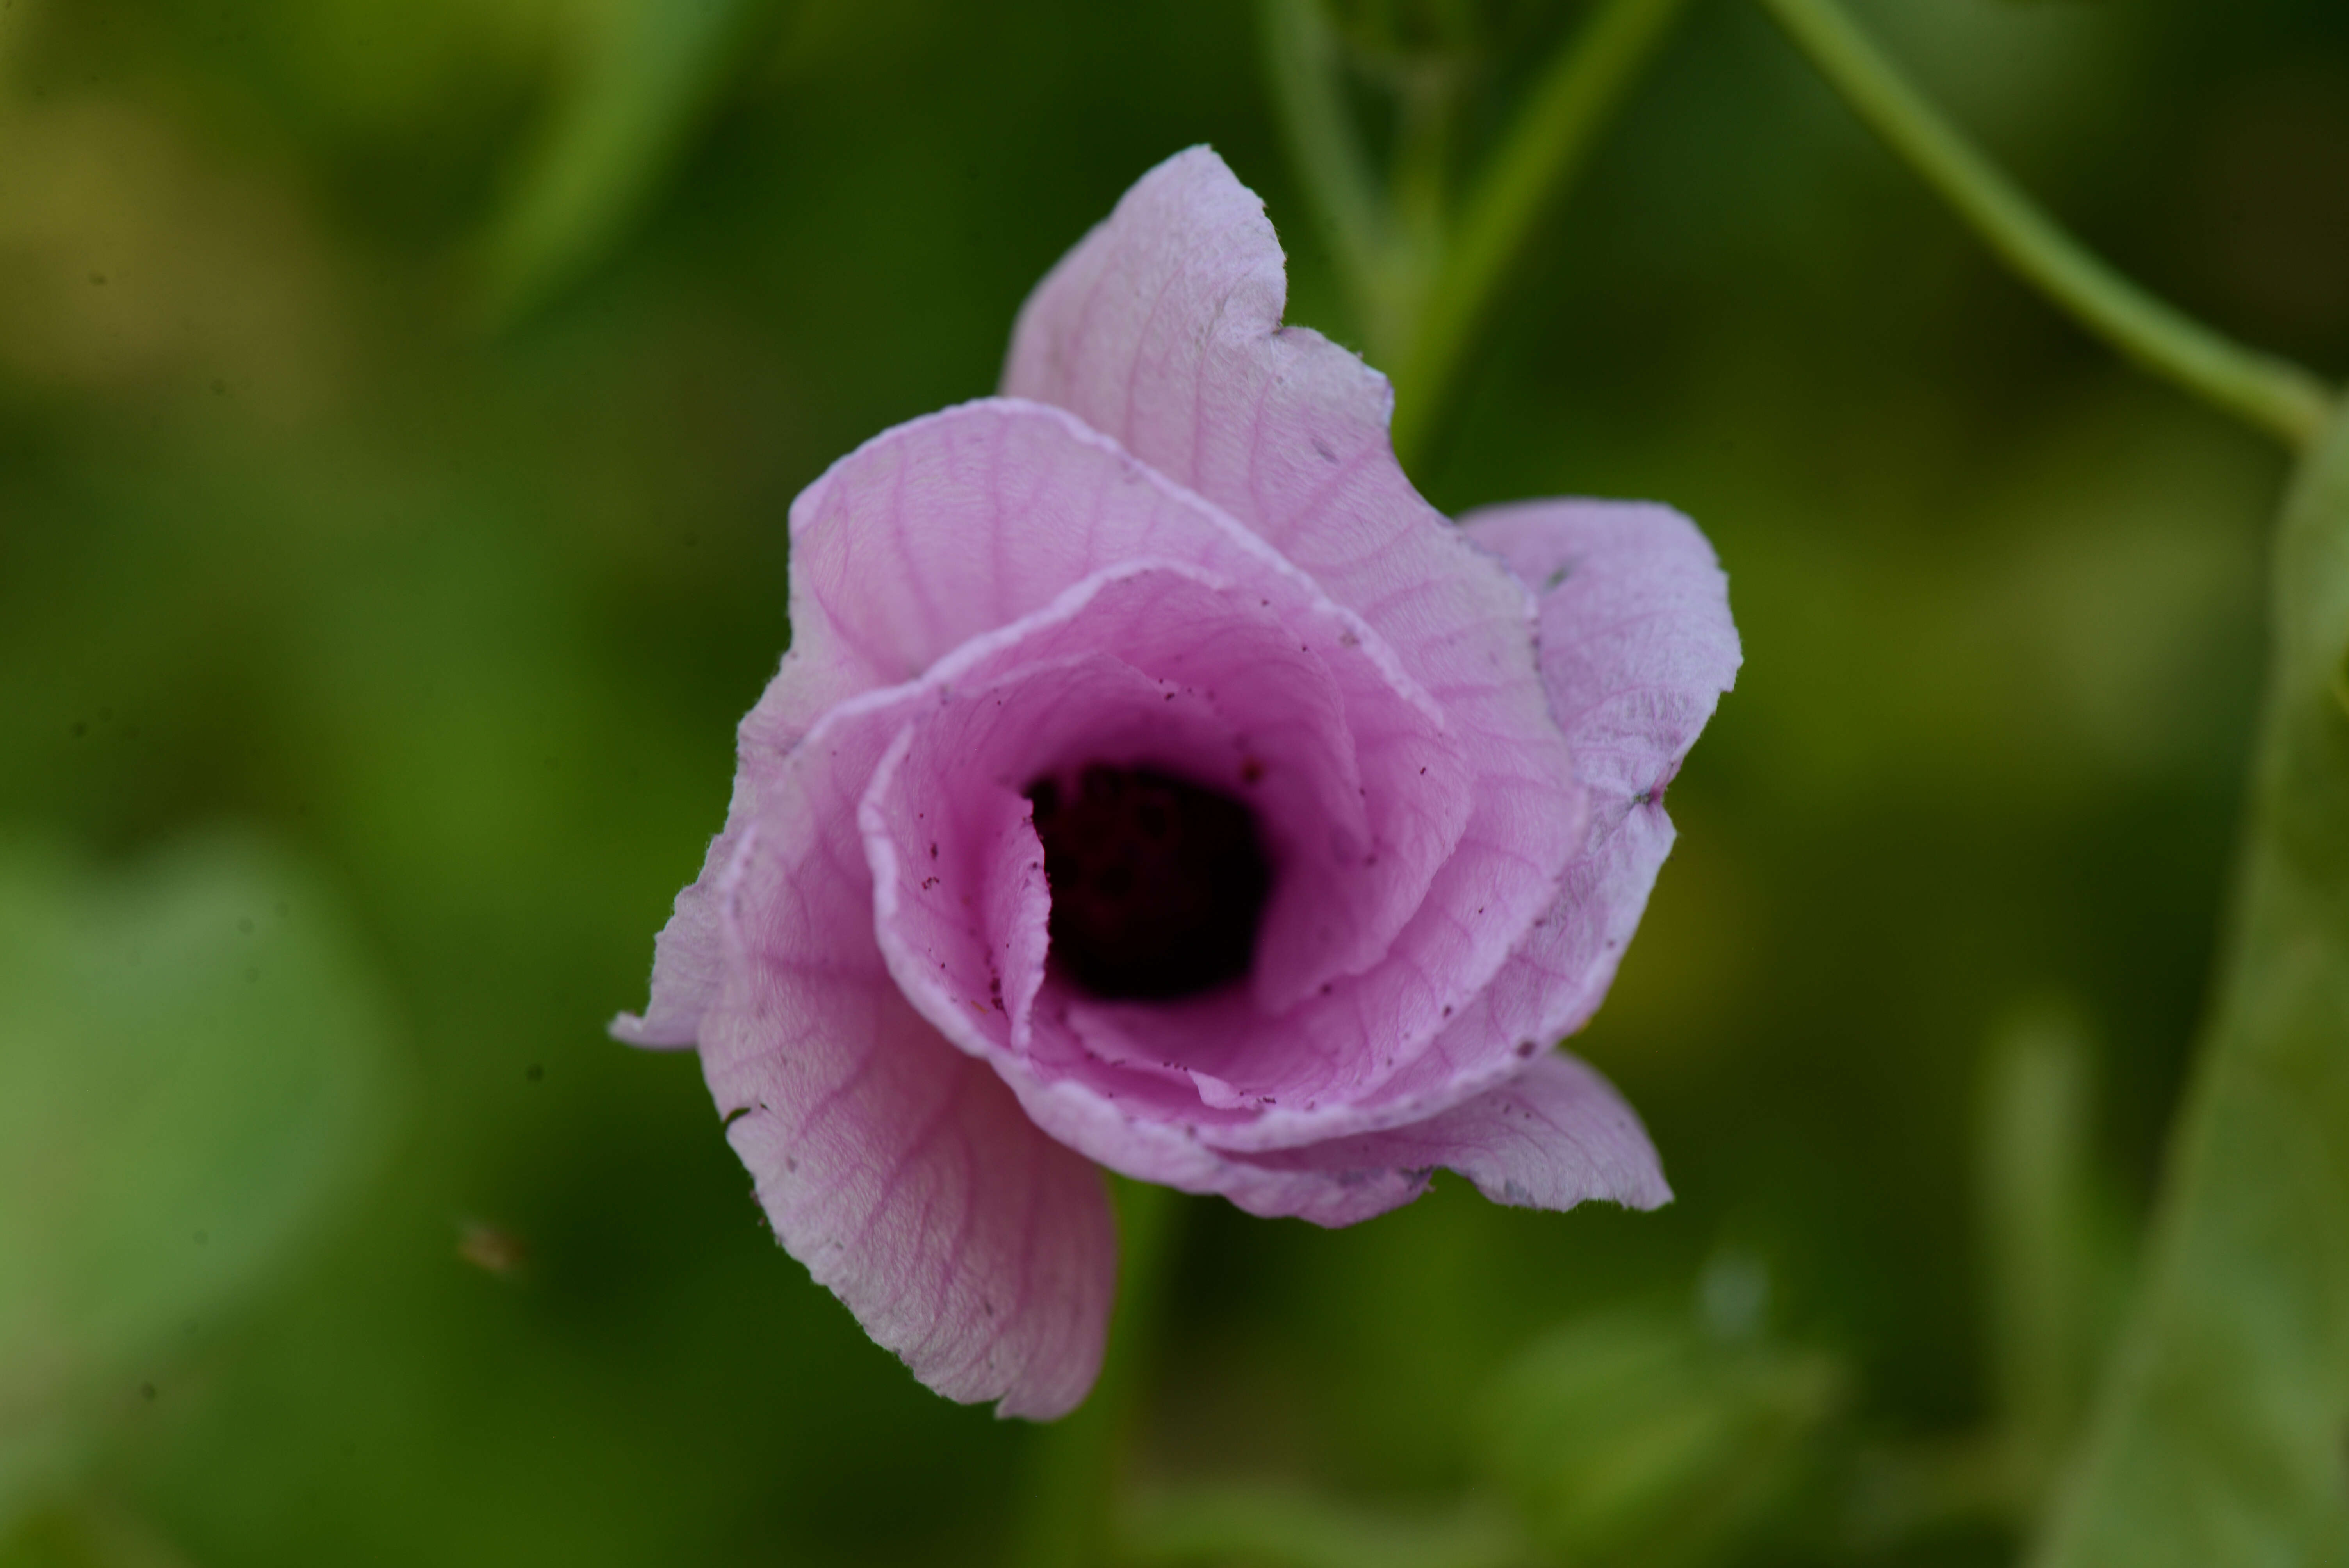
{"points": [[1157, 884]]}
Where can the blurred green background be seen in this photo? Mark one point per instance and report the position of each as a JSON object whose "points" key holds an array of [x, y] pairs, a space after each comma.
{"points": [[398, 408]]}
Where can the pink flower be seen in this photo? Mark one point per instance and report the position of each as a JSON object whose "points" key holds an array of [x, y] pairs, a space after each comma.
{"points": [[1155, 779]]}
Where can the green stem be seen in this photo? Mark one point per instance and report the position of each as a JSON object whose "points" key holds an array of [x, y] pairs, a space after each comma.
{"points": [[2272, 394], [1428, 101], [1069, 1510], [1577, 95], [1309, 92]]}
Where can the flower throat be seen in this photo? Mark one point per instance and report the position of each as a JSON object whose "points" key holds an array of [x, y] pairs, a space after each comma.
{"points": [[1157, 884]]}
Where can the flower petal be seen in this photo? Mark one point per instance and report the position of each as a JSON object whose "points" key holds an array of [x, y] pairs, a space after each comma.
{"points": [[1637, 642], [1356, 790], [875, 1150], [1636, 648], [1161, 328], [899, 1171], [1554, 1135], [1058, 496], [957, 524]]}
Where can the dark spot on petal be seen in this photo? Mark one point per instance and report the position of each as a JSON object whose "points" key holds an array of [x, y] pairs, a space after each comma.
{"points": [[1322, 447], [1157, 884], [1526, 1047], [933, 849], [1251, 770]]}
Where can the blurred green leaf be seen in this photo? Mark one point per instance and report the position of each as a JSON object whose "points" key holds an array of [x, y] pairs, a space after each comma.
{"points": [[1420, 27], [194, 1067], [648, 73], [2055, 1238], [1629, 1438], [84, 1537], [2219, 1436], [1284, 1528]]}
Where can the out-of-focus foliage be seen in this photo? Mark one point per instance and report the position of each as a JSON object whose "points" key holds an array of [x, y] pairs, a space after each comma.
{"points": [[2057, 1248], [1285, 1527], [193, 1069], [289, 537], [1641, 1440], [2221, 1438], [1404, 29], [647, 72]]}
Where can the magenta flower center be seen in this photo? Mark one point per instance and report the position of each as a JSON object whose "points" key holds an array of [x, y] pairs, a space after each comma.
{"points": [[1157, 884]]}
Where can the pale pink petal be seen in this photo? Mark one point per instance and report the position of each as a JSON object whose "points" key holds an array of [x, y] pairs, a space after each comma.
{"points": [[1636, 643], [862, 1121], [961, 904], [1210, 1068], [962, 523], [1636, 648], [1162, 329], [689, 963], [1553, 984], [1554, 1135], [899, 1171], [870, 593], [1202, 681], [1182, 544]]}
